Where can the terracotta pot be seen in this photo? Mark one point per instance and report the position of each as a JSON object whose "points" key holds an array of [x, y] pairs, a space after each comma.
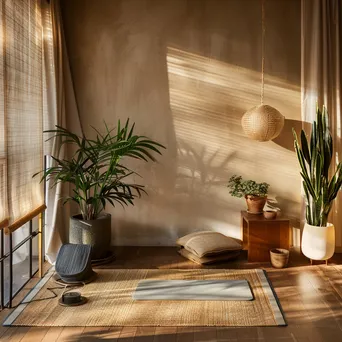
{"points": [[270, 214], [255, 204]]}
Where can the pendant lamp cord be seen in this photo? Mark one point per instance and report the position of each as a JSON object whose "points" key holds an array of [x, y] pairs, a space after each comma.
{"points": [[262, 50]]}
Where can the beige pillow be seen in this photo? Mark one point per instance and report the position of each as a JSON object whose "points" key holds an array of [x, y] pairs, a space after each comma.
{"points": [[208, 259], [183, 240], [208, 243]]}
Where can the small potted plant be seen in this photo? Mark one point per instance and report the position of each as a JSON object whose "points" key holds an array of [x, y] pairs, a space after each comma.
{"points": [[254, 193]]}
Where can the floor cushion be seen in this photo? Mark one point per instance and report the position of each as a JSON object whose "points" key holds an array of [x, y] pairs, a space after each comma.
{"points": [[208, 243], [208, 259]]}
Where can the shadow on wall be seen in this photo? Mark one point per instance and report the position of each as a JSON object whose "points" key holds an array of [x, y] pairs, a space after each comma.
{"points": [[195, 202], [285, 138], [199, 172], [185, 72], [207, 101]]}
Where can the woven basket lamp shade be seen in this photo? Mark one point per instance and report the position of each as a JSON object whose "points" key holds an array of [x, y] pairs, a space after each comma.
{"points": [[262, 123]]}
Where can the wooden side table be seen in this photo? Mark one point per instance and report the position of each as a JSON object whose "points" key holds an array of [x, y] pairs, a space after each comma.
{"points": [[260, 235]]}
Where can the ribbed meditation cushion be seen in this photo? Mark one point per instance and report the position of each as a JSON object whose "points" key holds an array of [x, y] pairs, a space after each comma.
{"points": [[73, 263]]}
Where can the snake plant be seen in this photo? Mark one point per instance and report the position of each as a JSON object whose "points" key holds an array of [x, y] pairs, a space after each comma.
{"points": [[315, 154]]}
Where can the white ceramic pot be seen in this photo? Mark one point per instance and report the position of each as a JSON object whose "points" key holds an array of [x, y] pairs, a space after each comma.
{"points": [[318, 243]]}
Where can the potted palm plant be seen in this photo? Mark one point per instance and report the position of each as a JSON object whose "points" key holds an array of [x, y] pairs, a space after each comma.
{"points": [[321, 186], [254, 193], [97, 177]]}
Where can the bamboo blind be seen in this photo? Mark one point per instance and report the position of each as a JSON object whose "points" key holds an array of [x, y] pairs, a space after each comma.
{"points": [[21, 110]]}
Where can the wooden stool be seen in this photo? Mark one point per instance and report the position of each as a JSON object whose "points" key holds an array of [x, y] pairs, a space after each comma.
{"points": [[260, 235]]}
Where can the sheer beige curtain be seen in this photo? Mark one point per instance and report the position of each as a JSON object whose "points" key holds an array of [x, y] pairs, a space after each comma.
{"points": [[3, 167], [60, 103], [21, 111], [321, 76], [35, 90]]}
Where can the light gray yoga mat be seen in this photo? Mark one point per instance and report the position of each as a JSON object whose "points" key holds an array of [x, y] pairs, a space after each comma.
{"points": [[238, 290]]}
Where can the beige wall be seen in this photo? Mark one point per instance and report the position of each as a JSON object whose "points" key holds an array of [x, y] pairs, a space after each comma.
{"points": [[185, 72]]}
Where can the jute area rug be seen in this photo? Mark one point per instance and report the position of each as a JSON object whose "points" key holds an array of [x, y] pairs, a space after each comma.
{"points": [[110, 302]]}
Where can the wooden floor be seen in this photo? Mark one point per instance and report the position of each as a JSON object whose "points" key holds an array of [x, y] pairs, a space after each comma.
{"points": [[311, 297]]}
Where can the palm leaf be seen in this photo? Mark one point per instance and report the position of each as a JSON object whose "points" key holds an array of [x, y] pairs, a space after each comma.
{"points": [[96, 168]]}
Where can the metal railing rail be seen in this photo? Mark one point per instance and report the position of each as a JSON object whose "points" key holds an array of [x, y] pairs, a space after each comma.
{"points": [[9, 255]]}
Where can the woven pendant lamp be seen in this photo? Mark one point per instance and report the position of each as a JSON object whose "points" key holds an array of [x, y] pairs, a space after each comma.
{"points": [[262, 122]]}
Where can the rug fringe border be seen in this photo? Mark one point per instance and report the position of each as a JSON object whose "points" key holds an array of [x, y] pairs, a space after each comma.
{"points": [[273, 298]]}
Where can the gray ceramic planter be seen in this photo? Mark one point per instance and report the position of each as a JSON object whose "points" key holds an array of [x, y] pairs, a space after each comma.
{"points": [[96, 233]]}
